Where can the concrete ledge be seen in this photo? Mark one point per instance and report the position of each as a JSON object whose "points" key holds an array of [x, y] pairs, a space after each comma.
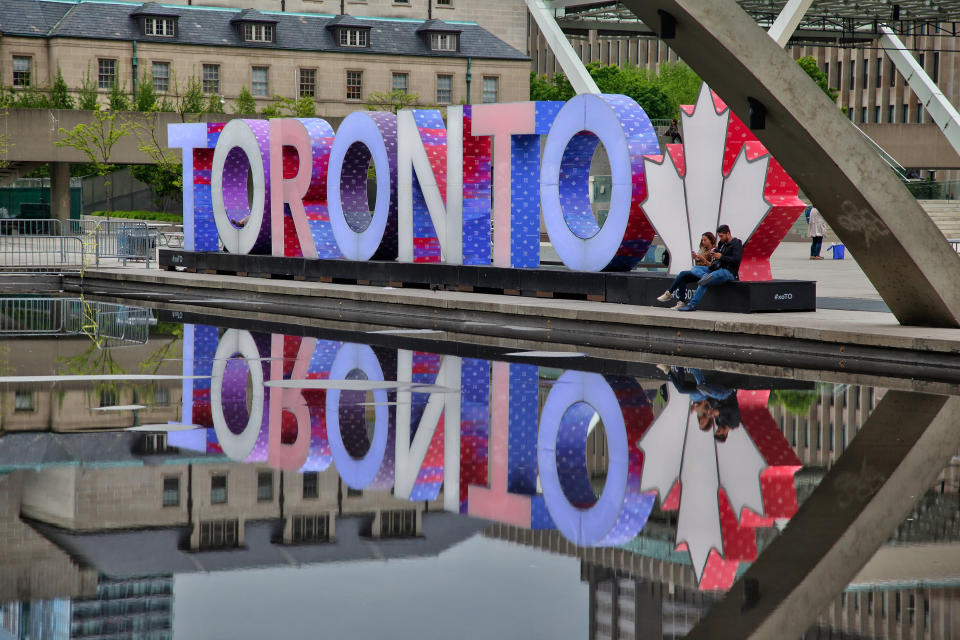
{"points": [[871, 344], [637, 288]]}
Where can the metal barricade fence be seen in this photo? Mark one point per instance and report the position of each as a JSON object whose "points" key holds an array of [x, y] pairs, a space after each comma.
{"points": [[41, 253], [39, 227], [107, 320], [33, 316], [119, 239], [130, 324]]}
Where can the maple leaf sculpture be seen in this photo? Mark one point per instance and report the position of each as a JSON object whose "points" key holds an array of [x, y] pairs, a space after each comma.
{"points": [[720, 174]]}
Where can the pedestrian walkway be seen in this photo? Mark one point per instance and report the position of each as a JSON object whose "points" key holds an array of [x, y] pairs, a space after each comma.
{"points": [[841, 284]]}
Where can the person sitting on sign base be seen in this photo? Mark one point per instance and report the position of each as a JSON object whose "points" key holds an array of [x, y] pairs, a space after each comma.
{"points": [[724, 266], [701, 259]]}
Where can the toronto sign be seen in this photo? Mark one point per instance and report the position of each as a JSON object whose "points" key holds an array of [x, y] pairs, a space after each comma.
{"points": [[472, 189]]}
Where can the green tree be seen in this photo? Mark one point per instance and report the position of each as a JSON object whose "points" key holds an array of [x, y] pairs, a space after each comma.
{"points": [[87, 96], [4, 145], [214, 104], [60, 97], [272, 110], [30, 97], [164, 176], [659, 94], [145, 99], [555, 88], [302, 107], [118, 99], [810, 66], [96, 141], [392, 101], [245, 104], [794, 402], [189, 98], [679, 83]]}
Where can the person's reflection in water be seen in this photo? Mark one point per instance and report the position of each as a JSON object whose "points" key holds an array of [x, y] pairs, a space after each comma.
{"points": [[716, 405], [704, 412]]}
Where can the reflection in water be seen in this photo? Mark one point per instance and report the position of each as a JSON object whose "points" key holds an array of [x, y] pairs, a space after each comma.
{"points": [[662, 489], [721, 445]]}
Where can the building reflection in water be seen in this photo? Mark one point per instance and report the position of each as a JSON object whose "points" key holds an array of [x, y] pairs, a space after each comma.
{"points": [[312, 450]]}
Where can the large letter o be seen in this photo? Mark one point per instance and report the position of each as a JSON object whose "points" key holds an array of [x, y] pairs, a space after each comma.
{"points": [[357, 473], [626, 133], [360, 138], [236, 446], [585, 527], [243, 145]]}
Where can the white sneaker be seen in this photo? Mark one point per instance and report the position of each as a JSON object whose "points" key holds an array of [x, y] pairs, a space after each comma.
{"points": [[666, 296], [678, 305]]}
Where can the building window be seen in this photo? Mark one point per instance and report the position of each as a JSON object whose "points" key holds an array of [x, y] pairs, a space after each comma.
{"points": [[444, 3], [308, 83], [311, 528], [876, 115], [444, 89], [398, 524], [261, 84], [218, 489], [165, 27], [443, 41], [153, 443], [253, 32], [906, 114], [219, 534], [354, 37], [106, 73], [311, 485], [863, 115], [265, 486], [891, 114], [108, 397], [21, 71], [866, 73], [935, 72], [161, 396], [839, 74], [919, 113], [490, 89], [23, 401], [161, 76], [893, 74], [354, 85], [877, 72], [401, 82], [171, 491], [211, 78], [354, 493], [853, 75]]}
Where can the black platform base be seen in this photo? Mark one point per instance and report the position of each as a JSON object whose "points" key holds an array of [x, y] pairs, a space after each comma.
{"points": [[627, 288]]}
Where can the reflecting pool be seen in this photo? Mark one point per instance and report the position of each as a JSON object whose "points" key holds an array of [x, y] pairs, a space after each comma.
{"points": [[169, 480]]}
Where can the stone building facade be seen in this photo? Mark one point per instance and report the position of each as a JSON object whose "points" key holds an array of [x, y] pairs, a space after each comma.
{"points": [[336, 60], [507, 19]]}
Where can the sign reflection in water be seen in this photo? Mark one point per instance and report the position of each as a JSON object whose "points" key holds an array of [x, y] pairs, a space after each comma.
{"points": [[474, 428]]}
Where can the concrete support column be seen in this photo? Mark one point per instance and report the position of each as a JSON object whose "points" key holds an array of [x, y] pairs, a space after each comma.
{"points": [[60, 190]]}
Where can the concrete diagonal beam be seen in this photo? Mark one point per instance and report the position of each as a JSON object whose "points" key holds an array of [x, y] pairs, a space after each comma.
{"points": [[894, 241], [580, 79], [894, 460], [938, 106]]}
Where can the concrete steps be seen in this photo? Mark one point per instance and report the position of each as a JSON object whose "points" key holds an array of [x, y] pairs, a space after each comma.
{"points": [[946, 214]]}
